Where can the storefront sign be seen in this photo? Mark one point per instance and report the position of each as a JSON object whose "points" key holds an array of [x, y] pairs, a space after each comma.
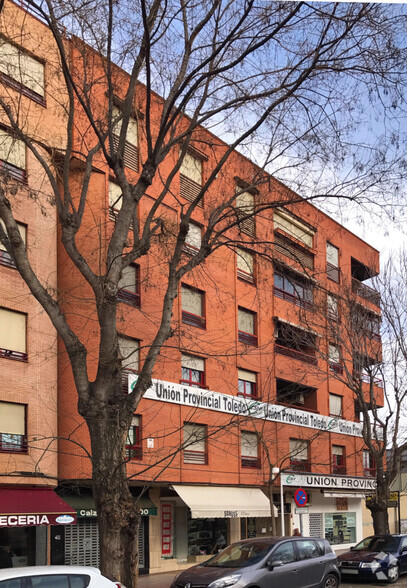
{"points": [[321, 481], [392, 499], [205, 399], [35, 520]]}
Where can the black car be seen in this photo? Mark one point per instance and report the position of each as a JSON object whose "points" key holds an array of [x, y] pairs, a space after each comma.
{"points": [[267, 562], [379, 557]]}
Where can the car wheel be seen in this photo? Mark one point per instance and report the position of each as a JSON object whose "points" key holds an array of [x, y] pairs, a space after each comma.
{"points": [[330, 581], [393, 573]]}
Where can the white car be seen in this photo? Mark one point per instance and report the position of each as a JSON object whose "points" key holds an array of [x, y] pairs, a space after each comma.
{"points": [[55, 577]]}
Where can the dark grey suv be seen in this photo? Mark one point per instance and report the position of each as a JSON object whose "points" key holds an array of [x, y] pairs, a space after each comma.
{"points": [[269, 562]]}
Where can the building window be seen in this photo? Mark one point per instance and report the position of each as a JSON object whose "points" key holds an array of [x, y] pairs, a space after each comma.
{"points": [[130, 157], [332, 262], [22, 72], [13, 335], [115, 199], [294, 227], [245, 265], [193, 370], [295, 394], [134, 449], [335, 359], [195, 447], [338, 460], [332, 307], [190, 177], [366, 369], [130, 351], [299, 455], [245, 207], [295, 342], [294, 251], [369, 465], [294, 290], [193, 239], [129, 285], [12, 156], [193, 306], [335, 405], [5, 257], [249, 450], [247, 383], [13, 436], [340, 528], [247, 326]]}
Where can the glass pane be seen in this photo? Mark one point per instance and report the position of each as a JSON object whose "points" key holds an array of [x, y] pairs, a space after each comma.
{"points": [[60, 581], [284, 553], [279, 281], [11, 583]]}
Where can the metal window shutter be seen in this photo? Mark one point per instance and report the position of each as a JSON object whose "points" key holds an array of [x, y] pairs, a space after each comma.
{"points": [[82, 543], [315, 525], [293, 251]]}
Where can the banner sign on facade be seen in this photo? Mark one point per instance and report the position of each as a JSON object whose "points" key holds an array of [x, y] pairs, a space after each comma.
{"points": [[322, 481], [205, 399]]}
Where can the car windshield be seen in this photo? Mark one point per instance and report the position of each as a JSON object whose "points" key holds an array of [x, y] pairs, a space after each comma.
{"points": [[240, 555], [388, 544]]}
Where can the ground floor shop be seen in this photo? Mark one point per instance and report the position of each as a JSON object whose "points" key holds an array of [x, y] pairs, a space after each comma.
{"points": [[333, 508], [26, 517]]}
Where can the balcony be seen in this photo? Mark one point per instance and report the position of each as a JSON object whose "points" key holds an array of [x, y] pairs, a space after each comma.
{"points": [[376, 381], [300, 465], [293, 299], [339, 469], [336, 367], [365, 292], [296, 354]]}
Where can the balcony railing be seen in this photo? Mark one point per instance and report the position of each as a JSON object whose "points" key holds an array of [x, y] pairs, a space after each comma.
{"points": [[196, 457], [193, 319], [339, 469], [293, 298], [370, 472], [300, 465], [376, 381], [10, 443], [365, 292], [251, 462], [336, 367], [295, 354]]}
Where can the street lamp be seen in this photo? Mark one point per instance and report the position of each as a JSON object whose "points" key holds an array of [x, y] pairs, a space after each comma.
{"points": [[275, 472]]}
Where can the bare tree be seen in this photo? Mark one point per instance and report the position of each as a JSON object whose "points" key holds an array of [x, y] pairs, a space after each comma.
{"points": [[279, 81]]}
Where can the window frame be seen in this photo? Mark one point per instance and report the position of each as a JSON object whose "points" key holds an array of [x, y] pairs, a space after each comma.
{"points": [[195, 457], [14, 171], [134, 451], [331, 413], [189, 381], [294, 297], [5, 257], [244, 336], [128, 296], [12, 353], [243, 275], [127, 370], [131, 151], [249, 461], [189, 318], [370, 469], [298, 464], [251, 384], [338, 465], [22, 447], [189, 187], [19, 86], [333, 272], [335, 366], [188, 247]]}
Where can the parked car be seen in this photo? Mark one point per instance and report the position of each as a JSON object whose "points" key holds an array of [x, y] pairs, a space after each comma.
{"points": [[55, 577], [379, 557], [267, 562]]}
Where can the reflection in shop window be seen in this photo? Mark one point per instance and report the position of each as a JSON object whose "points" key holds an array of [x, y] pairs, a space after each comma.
{"points": [[206, 536], [340, 528]]}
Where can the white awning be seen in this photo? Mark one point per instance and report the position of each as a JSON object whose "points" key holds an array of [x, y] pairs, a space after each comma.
{"points": [[359, 495], [224, 502]]}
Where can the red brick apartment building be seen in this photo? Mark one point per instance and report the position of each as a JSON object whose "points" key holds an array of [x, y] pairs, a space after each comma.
{"points": [[249, 331]]}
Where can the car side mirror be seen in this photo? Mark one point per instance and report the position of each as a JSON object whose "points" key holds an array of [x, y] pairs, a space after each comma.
{"points": [[404, 549], [274, 563]]}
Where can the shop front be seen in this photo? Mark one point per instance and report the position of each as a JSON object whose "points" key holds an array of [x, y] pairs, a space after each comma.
{"points": [[333, 509], [26, 514], [197, 521], [79, 544]]}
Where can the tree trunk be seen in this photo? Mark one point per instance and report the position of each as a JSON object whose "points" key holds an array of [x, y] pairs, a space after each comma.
{"points": [[273, 518], [378, 507], [118, 513]]}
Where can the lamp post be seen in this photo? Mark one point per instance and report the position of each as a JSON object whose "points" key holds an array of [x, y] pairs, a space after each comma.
{"points": [[275, 472]]}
